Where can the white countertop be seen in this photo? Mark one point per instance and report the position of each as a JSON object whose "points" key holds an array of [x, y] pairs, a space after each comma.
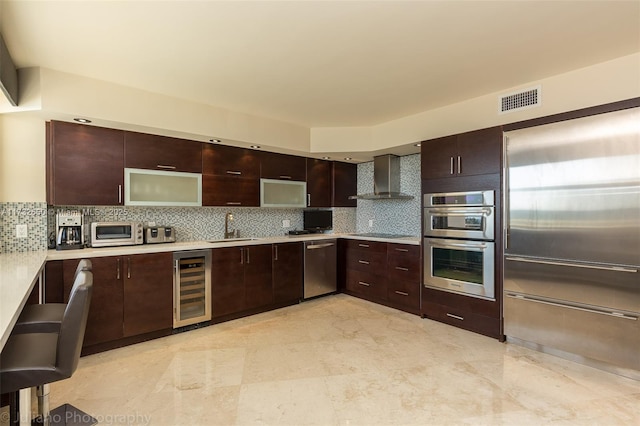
{"points": [[199, 245], [18, 274]]}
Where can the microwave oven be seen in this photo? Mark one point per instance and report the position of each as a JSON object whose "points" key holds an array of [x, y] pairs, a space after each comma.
{"points": [[112, 234]]}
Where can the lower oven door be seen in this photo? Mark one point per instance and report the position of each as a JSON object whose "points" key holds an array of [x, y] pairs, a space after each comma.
{"points": [[459, 266]]}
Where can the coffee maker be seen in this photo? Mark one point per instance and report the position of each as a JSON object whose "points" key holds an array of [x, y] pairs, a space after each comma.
{"points": [[69, 230]]}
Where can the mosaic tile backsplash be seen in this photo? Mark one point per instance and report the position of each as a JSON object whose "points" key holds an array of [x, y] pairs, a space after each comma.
{"points": [[207, 223], [391, 216], [34, 215]]}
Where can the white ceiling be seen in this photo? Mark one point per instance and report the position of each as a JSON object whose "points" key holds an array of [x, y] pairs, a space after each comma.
{"points": [[320, 63]]}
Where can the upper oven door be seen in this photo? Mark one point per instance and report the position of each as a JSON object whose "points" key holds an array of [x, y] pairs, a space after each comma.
{"points": [[460, 222]]}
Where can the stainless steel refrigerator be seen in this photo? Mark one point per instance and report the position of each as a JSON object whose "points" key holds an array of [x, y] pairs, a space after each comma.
{"points": [[572, 239]]}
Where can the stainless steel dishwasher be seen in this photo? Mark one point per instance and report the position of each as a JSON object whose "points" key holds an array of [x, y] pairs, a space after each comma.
{"points": [[320, 276]]}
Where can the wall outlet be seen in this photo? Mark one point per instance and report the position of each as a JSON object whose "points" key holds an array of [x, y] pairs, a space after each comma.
{"points": [[286, 223], [21, 231], [370, 223]]}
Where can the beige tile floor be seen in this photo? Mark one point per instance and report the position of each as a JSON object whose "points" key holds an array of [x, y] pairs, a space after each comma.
{"points": [[342, 361]]}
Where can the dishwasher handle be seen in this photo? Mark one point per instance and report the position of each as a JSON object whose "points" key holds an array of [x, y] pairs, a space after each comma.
{"points": [[319, 246]]}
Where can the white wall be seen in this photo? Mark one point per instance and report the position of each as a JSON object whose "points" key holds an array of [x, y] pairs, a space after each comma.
{"points": [[599, 84], [22, 158]]}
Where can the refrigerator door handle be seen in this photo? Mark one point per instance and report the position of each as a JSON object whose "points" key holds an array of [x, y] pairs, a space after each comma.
{"points": [[572, 264], [505, 193], [565, 305]]}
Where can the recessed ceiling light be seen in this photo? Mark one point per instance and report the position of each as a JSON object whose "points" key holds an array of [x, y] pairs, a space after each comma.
{"points": [[417, 144], [215, 140], [255, 146], [326, 158], [82, 120], [347, 158]]}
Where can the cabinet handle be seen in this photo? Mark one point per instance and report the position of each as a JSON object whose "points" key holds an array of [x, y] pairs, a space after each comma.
{"points": [[248, 256], [285, 177], [118, 269], [400, 268], [451, 167], [275, 247], [234, 203], [162, 166], [233, 172], [402, 250], [363, 283], [242, 256], [363, 245], [402, 293], [119, 194], [364, 262], [128, 267], [308, 200], [455, 316], [459, 165]]}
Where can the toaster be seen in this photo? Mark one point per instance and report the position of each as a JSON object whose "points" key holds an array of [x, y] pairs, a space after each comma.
{"points": [[159, 234]]}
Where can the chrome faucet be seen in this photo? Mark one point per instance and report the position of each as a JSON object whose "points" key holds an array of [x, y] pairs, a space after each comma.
{"points": [[234, 232]]}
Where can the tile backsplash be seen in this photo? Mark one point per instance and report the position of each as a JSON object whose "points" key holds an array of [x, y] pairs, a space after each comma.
{"points": [[206, 223], [391, 216], [34, 216]]}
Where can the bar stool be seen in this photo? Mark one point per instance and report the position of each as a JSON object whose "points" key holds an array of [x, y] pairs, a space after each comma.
{"points": [[46, 317], [36, 359]]}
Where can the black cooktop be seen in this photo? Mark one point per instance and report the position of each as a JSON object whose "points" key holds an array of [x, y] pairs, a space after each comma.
{"points": [[380, 235]]}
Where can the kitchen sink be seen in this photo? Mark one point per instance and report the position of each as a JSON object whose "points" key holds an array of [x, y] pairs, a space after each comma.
{"points": [[228, 240]]}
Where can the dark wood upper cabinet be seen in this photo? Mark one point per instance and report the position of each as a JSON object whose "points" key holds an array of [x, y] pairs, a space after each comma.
{"points": [[345, 184], [319, 183], [222, 160], [467, 154], [85, 165], [145, 151], [282, 166], [230, 191]]}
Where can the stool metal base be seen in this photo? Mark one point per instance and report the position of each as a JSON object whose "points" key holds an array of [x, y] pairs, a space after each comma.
{"points": [[68, 415]]}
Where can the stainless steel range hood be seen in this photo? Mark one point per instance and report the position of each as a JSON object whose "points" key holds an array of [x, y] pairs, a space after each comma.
{"points": [[386, 180]]}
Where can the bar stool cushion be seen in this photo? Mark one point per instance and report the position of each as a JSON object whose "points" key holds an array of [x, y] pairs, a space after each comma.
{"points": [[28, 360]]}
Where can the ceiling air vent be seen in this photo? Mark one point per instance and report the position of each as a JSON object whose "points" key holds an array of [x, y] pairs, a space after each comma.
{"points": [[523, 99]]}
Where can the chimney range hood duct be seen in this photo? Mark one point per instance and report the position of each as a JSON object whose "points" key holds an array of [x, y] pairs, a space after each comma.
{"points": [[386, 180]]}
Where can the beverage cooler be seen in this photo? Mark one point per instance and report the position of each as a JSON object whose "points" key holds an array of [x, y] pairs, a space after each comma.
{"points": [[192, 287]]}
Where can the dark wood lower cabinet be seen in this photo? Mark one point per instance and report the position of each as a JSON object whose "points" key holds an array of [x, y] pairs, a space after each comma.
{"points": [[148, 293], [227, 281], [132, 295], [288, 270], [383, 273], [257, 276], [107, 301], [471, 313]]}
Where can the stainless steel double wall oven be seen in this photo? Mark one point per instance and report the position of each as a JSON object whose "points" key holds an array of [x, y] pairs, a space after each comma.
{"points": [[459, 243]]}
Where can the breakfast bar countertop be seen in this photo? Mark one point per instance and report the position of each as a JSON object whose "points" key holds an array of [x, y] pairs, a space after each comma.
{"points": [[18, 274]]}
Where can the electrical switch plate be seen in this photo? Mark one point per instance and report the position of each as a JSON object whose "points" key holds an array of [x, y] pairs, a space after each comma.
{"points": [[21, 231], [370, 223], [286, 223]]}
